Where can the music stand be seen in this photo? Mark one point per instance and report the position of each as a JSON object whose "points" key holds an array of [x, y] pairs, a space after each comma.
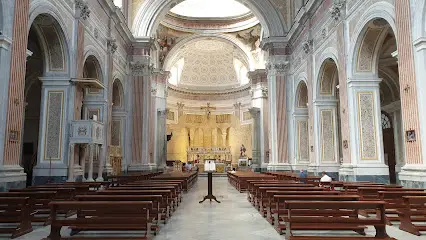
{"points": [[209, 167]]}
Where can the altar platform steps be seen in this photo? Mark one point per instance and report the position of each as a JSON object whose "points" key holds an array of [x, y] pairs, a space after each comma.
{"points": [[204, 174]]}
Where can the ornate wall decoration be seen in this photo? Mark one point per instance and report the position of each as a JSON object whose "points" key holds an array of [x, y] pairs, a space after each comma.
{"points": [[251, 37], [303, 141], [54, 122], [366, 49], [192, 118], [367, 125], [116, 133], [209, 63], [170, 115], [337, 9], [224, 118], [112, 45], [308, 46], [247, 116], [139, 69], [83, 7], [327, 136]]}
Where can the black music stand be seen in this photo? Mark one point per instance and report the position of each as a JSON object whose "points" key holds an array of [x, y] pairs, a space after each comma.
{"points": [[210, 195]]}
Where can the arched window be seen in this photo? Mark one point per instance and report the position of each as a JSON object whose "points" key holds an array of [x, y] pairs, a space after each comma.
{"points": [[386, 122], [117, 94]]}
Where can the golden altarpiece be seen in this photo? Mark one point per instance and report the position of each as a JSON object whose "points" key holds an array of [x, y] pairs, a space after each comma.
{"points": [[197, 138]]}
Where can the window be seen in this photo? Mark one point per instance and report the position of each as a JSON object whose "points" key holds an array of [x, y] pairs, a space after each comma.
{"points": [[386, 123]]}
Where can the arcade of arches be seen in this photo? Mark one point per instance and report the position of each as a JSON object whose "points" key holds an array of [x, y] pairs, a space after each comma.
{"points": [[94, 88]]}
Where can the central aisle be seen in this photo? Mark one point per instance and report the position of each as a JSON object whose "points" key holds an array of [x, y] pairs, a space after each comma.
{"points": [[233, 218]]}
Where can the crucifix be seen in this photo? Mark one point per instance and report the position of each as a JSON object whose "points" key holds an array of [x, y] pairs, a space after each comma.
{"points": [[208, 110]]}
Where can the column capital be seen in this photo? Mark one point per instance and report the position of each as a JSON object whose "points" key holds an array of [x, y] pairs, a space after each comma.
{"points": [[255, 112], [160, 77], [82, 9], [141, 68], [277, 67], [258, 76]]}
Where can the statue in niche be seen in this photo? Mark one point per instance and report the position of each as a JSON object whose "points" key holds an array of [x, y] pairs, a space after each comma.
{"points": [[242, 151]]}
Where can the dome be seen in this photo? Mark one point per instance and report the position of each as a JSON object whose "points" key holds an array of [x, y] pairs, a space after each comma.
{"points": [[209, 64], [210, 9]]}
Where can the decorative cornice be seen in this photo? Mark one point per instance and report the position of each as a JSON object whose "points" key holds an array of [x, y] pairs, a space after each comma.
{"points": [[139, 69], [337, 9], [112, 45], [83, 7], [278, 68]]}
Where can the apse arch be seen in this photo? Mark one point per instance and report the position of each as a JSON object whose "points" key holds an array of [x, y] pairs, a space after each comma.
{"points": [[152, 12], [173, 55], [370, 29]]}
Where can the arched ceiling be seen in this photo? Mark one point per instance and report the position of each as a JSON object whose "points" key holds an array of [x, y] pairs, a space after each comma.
{"points": [[210, 9], [209, 64]]}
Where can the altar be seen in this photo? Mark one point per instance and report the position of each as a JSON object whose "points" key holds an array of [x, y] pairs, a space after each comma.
{"points": [[220, 167], [199, 154]]}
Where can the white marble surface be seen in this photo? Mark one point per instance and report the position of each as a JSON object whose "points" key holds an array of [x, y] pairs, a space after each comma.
{"points": [[231, 219]]}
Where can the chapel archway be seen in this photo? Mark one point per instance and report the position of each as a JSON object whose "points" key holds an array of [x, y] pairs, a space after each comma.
{"points": [[47, 54], [377, 59], [301, 118], [328, 115]]}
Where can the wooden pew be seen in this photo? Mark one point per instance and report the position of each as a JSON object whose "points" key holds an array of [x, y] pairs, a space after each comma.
{"points": [[260, 194], [271, 207], [281, 212], [174, 194], [15, 210], [395, 202], [38, 203], [166, 204], [156, 212], [102, 216], [344, 218], [413, 213]]}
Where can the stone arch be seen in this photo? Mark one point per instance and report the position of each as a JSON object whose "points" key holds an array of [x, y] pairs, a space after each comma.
{"points": [[173, 54], [151, 12], [117, 94], [328, 78], [302, 95], [369, 35], [92, 68], [93, 59], [51, 29]]}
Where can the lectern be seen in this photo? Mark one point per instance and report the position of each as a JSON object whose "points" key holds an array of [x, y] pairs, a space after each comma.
{"points": [[210, 167]]}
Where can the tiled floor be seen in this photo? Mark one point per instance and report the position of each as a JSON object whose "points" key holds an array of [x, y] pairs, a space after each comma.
{"points": [[234, 218]]}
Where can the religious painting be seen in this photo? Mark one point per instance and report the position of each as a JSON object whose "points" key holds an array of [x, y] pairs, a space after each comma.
{"points": [[411, 135]]}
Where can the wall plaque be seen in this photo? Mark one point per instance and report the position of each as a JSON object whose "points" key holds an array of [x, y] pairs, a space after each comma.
{"points": [[13, 136], [411, 135]]}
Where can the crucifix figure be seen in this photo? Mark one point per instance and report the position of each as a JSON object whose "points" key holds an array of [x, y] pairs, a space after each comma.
{"points": [[208, 110]]}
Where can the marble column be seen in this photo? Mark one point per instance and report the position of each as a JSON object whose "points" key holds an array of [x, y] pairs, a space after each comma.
{"points": [[159, 82], [83, 162], [90, 171], [101, 163], [413, 174], [14, 103], [260, 100], [277, 69], [140, 106], [71, 163], [214, 137], [256, 162]]}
